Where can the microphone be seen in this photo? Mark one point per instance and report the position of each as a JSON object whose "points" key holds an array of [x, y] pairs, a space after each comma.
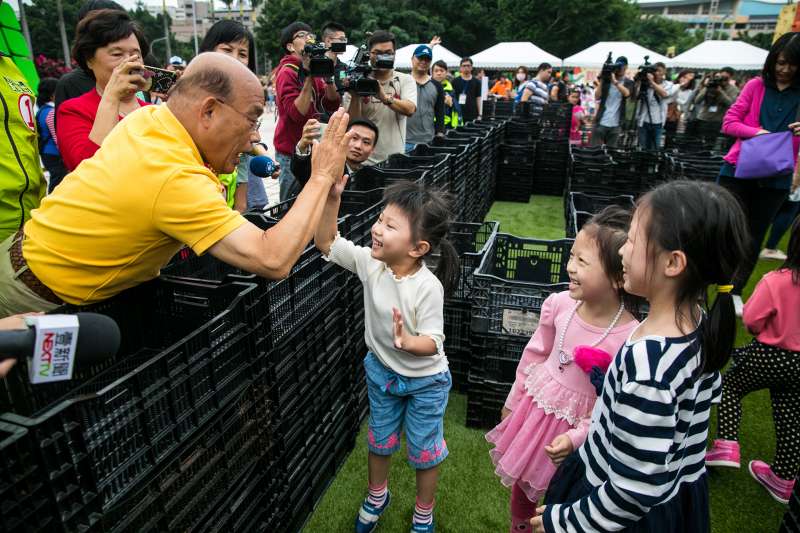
{"points": [[56, 342], [262, 166]]}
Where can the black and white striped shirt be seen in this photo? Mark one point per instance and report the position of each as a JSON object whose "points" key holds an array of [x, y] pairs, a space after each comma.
{"points": [[647, 437]]}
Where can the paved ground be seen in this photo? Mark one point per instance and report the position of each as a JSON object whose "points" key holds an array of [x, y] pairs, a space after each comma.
{"points": [[267, 132]]}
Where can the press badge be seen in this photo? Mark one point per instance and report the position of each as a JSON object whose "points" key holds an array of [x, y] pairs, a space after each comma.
{"points": [[462, 98]]}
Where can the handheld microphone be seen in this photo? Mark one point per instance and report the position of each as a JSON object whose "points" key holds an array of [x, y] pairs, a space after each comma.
{"points": [[262, 166], [56, 342]]}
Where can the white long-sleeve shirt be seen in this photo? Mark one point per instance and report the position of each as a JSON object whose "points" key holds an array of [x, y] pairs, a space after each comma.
{"points": [[419, 297]]}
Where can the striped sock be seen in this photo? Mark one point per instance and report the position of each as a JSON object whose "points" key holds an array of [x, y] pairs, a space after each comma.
{"points": [[423, 513], [377, 494]]}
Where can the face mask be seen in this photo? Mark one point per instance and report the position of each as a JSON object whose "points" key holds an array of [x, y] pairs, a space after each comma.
{"points": [[521, 77]]}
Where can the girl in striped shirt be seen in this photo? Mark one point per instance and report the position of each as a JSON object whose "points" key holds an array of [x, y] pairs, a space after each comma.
{"points": [[642, 467]]}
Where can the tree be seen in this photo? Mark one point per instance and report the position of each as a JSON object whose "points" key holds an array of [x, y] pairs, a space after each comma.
{"points": [[41, 15], [466, 26], [564, 28], [659, 33], [762, 40]]}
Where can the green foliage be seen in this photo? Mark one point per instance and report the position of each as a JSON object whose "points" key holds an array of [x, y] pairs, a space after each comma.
{"points": [[43, 25], [762, 40], [659, 33], [564, 28], [465, 27]]}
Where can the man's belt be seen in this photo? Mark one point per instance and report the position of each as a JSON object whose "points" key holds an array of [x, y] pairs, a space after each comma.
{"points": [[27, 277]]}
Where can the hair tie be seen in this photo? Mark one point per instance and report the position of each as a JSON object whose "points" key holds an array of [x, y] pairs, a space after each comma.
{"points": [[722, 289]]}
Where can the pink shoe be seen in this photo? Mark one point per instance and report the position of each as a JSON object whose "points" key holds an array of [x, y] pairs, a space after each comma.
{"points": [[723, 453], [780, 489]]}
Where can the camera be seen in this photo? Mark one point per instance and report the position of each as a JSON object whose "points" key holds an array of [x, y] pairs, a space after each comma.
{"points": [[644, 70], [715, 82], [358, 75], [321, 65], [608, 69]]}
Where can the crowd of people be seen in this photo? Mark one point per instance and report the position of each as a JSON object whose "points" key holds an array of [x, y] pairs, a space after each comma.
{"points": [[136, 174]]}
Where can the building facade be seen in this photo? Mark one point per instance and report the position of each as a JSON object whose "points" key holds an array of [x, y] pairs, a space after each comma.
{"points": [[732, 16]]}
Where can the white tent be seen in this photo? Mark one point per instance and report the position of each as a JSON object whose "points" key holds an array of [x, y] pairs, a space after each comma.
{"points": [[717, 54], [349, 54], [402, 57], [594, 56], [509, 56]]}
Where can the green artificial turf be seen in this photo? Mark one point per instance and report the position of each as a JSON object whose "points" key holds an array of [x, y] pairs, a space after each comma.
{"points": [[471, 498]]}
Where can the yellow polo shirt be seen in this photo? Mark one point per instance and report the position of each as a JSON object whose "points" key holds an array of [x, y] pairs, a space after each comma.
{"points": [[121, 215]]}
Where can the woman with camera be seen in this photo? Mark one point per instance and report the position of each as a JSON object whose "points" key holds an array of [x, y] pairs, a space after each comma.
{"points": [[109, 46], [769, 103]]}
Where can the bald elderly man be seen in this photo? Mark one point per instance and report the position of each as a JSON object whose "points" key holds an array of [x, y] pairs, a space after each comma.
{"points": [[152, 187]]}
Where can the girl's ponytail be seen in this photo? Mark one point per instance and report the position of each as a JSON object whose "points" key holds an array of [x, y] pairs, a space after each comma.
{"points": [[718, 330], [447, 267]]}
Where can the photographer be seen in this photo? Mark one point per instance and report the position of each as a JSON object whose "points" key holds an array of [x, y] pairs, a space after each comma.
{"points": [[333, 32], [713, 100], [359, 148], [612, 92], [655, 93], [428, 120], [299, 97], [395, 101]]}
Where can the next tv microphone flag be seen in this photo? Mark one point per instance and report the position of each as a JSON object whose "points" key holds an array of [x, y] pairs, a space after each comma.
{"points": [[262, 166], [55, 343]]}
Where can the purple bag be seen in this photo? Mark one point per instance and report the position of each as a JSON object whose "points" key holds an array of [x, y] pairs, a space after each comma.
{"points": [[762, 156]]}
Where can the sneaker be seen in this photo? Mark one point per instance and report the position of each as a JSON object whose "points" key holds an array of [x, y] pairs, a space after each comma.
{"points": [[423, 528], [367, 518], [738, 305], [780, 489], [723, 453], [768, 253]]}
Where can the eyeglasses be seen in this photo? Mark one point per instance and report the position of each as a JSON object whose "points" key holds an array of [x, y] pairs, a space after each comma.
{"points": [[255, 124], [304, 35]]}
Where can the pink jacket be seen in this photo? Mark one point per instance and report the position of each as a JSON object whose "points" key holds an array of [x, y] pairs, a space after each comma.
{"points": [[771, 312], [743, 119]]}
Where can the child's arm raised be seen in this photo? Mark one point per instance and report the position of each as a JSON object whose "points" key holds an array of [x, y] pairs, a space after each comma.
{"points": [[327, 228]]}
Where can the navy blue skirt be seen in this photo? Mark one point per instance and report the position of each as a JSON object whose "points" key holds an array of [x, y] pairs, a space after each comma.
{"points": [[687, 512]]}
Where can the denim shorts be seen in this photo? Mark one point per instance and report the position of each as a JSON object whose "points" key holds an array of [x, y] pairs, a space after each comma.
{"points": [[416, 404]]}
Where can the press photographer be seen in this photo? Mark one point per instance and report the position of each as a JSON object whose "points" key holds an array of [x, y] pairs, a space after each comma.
{"points": [[612, 92], [716, 95], [654, 94], [304, 90], [394, 100], [335, 40]]}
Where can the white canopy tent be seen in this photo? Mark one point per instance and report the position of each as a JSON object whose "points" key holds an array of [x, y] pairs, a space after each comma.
{"points": [[594, 56], [509, 56], [349, 54], [717, 54], [402, 57]]}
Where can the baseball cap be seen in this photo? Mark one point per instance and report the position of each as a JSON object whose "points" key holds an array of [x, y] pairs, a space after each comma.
{"points": [[621, 60], [423, 50], [177, 61]]}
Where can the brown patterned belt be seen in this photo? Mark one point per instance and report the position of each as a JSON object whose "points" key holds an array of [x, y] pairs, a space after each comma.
{"points": [[27, 277]]}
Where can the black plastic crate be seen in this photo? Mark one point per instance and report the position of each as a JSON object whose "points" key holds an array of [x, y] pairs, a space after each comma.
{"points": [[485, 400], [513, 280], [581, 207], [496, 357], [519, 155], [116, 428], [514, 184], [371, 177], [200, 476], [457, 343], [26, 499]]}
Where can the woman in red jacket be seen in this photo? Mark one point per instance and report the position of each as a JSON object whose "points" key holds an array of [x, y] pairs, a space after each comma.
{"points": [[109, 46]]}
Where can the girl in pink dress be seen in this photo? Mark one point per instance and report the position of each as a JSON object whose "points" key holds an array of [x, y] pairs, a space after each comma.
{"points": [[548, 411]]}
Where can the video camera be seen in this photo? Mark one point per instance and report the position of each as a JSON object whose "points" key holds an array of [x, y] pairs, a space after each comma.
{"points": [[644, 70], [358, 75], [608, 69], [715, 82], [321, 65]]}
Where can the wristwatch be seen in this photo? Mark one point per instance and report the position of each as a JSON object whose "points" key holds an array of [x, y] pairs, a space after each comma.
{"points": [[388, 101], [301, 153]]}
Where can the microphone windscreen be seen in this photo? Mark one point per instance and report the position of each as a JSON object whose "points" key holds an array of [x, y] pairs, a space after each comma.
{"points": [[262, 166], [98, 338]]}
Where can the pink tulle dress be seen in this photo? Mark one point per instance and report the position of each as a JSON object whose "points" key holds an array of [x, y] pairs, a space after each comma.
{"points": [[546, 402]]}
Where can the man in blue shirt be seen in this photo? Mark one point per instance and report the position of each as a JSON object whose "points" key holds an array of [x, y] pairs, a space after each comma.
{"points": [[612, 97]]}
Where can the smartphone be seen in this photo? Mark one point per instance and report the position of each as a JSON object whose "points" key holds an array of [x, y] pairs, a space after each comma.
{"points": [[322, 126], [161, 81]]}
